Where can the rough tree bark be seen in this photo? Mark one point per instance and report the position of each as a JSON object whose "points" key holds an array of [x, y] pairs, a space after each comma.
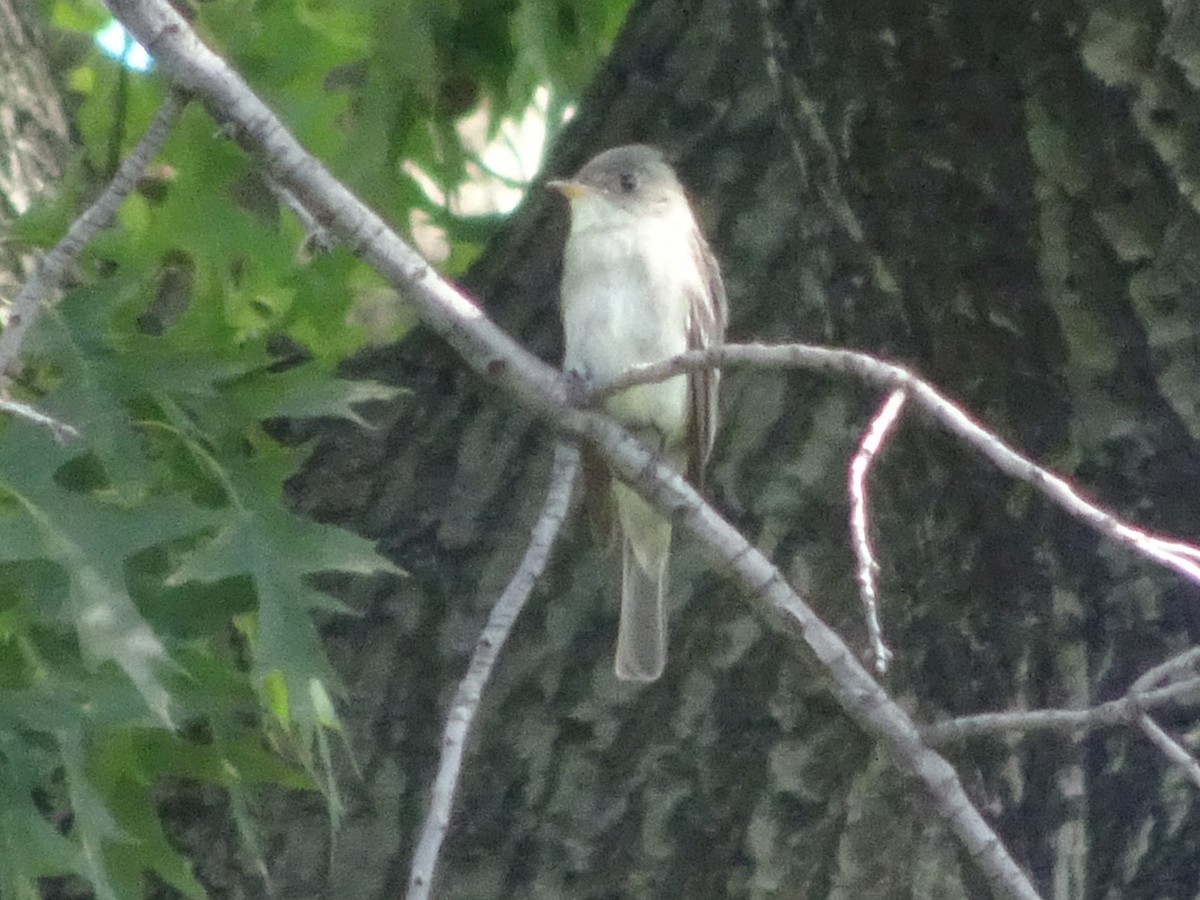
{"points": [[34, 143], [1004, 199]]}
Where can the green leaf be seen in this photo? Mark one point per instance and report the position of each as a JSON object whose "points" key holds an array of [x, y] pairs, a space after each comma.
{"points": [[119, 770], [79, 15], [90, 539], [93, 823], [305, 391], [31, 846], [43, 226], [279, 550]]}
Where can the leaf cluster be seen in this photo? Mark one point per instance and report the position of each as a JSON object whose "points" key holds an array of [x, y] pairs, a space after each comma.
{"points": [[155, 603]]}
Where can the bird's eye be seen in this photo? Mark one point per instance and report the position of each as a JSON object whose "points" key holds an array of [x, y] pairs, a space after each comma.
{"points": [[628, 182]]}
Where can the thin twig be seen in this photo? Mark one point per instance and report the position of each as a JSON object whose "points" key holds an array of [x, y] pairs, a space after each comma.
{"points": [[1172, 749], [1115, 712], [860, 530], [61, 430], [1179, 556], [317, 238], [1181, 664], [1126, 710], [487, 649], [52, 268]]}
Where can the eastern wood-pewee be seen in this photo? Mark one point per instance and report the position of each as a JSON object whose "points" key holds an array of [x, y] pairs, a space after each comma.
{"points": [[640, 285]]}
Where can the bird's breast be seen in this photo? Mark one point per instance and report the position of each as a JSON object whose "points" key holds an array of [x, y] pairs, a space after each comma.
{"points": [[625, 301]]}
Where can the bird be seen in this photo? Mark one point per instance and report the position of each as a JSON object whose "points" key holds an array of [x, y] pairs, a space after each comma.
{"points": [[641, 285]]}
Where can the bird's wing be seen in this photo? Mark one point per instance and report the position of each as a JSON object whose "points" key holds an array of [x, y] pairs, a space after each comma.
{"points": [[708, 315]]}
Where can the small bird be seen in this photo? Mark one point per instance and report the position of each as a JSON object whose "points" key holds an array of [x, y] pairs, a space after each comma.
{"points": [[640, 285]]}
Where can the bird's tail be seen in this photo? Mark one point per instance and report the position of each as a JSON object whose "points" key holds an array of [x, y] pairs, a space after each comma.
{"points": [[645, 548]]}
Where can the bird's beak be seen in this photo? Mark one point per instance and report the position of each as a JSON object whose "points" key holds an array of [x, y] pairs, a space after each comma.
{"points": [[572, 190]]}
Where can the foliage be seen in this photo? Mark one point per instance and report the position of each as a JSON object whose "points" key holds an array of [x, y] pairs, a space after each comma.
{"points": [[156, 608]]}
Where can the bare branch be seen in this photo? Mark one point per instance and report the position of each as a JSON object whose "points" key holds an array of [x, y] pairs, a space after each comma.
{"points": [[52, 268], [860, 530], [1179, 556], [487, 649]]}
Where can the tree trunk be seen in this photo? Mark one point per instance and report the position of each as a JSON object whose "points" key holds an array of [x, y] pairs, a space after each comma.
{"points": [[34, 143], [1002, 198]]}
